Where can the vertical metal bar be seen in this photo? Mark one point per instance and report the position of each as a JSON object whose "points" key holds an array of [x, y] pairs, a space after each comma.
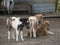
{"points": [[56, 6]]}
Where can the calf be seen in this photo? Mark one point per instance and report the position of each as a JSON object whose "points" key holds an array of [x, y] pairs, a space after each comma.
{"points": [[17, 24], [33, 25], [44, 29], [35, 21]]}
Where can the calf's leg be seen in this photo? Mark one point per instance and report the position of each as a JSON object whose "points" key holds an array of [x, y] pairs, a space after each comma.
{"points": [[21, 34], [8, 34], [31, 32], [9, 31], [17, 34], [34, 33]]}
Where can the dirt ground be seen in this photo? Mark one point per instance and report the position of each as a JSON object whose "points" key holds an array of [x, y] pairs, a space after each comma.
{"points": [[42, 40]]}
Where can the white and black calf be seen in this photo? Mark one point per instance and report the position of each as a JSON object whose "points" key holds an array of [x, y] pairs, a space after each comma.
{"points": [[17, 24]]}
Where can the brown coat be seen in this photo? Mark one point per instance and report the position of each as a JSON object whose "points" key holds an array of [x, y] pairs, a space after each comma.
{"points": [[43, 29]]}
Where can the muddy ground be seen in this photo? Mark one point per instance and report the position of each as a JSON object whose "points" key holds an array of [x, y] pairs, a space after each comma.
{"points": [[42, 40]]}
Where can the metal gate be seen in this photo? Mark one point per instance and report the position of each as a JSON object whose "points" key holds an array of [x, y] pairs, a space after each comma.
{"points": [[39, 6]]}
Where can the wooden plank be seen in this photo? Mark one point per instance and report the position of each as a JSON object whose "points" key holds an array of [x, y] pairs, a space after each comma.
{"points": [[22, 6]]}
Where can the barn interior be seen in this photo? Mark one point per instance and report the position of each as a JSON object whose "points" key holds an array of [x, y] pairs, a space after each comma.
{"points": [[26, 8]]}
